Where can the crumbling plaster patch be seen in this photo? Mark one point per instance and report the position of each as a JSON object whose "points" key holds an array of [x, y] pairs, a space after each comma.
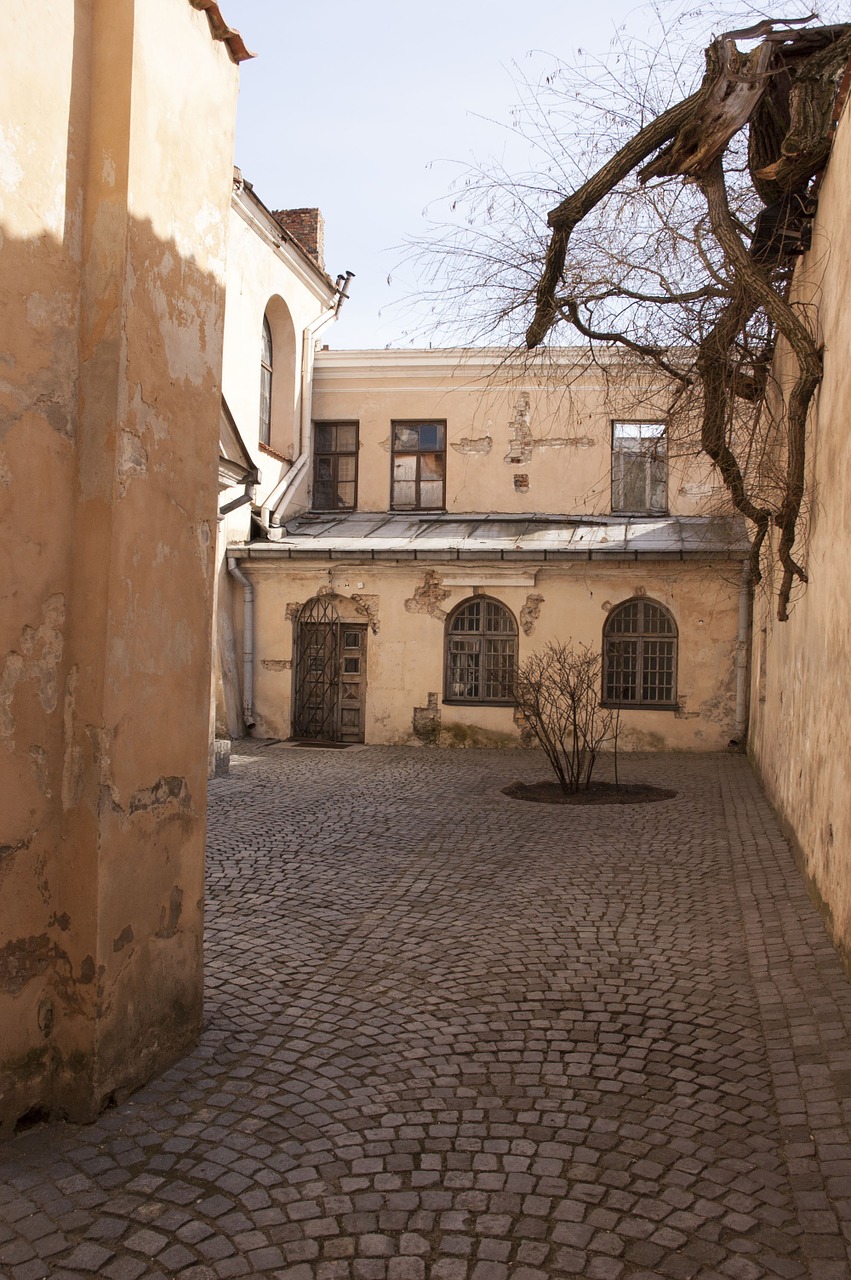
{"points": [[36, 660], [473, 444], [426, 722], [530, 613], [429, 597]]}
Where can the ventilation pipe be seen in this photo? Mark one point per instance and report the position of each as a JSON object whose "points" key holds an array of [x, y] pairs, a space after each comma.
{"points": [[247, 642]]}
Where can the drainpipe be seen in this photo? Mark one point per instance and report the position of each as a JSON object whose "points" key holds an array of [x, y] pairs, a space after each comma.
{"points": [[741, 725], [247, 642], [279, 498]]}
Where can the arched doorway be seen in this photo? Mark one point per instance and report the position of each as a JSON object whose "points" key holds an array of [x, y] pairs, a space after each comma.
{"points": [[330, 675]]}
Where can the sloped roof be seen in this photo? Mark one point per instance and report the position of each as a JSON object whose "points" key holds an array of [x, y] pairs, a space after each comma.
{"points": [[404, 536]]}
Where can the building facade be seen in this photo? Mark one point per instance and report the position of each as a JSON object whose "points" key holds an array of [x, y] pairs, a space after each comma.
{"points": [[461, 509]]}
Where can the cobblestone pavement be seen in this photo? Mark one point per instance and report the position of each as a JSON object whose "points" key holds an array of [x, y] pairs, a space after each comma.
{"points": [[452, 1036]]}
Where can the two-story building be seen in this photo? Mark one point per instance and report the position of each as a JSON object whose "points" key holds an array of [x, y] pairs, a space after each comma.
{"points": [[458, 509]]}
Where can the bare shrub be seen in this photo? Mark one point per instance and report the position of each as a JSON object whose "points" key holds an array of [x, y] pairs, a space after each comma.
{"points": [[557, 692]]}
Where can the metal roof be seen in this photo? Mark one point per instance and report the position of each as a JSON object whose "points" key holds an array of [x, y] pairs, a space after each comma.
{"points": [[432, 536]]}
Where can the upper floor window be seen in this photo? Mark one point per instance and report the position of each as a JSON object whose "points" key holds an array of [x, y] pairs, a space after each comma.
{"points": [[640, 655], [419, 466], [481, 652], [335, 466], [639, 467], [266, 384]]}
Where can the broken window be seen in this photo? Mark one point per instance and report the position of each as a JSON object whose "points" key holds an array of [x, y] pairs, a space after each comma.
{"points": [[481, 653], [419, 466], [335, 466], [266, 384], [640, 656], [639, 467]]}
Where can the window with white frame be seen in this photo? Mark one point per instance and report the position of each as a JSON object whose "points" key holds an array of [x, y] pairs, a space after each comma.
{"points": [[639, 467], [266, 384]]}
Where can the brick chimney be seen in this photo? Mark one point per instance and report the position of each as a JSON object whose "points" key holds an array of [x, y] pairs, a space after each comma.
{"points": [[307, 226]]}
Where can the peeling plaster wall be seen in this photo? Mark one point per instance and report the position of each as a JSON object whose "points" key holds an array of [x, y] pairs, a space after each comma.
{"points": [[800, 737], [405, 644], [533, 437], [113, 219]]}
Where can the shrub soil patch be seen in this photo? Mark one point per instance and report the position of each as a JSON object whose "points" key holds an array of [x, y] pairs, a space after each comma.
{"points": [[598, 793]]}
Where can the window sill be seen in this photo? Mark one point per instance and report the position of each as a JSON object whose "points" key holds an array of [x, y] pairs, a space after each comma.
{"points": [[640, 706], [477, 702]]}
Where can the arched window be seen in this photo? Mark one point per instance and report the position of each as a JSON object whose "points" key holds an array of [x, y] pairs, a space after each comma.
{"points": [[266, 385], [640, 655], [481, 653]]}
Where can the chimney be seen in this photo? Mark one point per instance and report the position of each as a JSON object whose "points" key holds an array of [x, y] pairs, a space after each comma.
{"points": [[307, 226]]}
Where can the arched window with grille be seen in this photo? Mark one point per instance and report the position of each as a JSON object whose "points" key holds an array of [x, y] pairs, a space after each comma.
{"points": [[266, 384], [640, 655], [481, 653]]}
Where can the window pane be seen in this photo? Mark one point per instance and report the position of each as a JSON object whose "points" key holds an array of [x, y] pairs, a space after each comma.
{"points": [[622, 670], [265, 404], [324, 437], [468, 618], [405, 466], [351, 639], [431, 494], [634, 482], [347, 437], [498, 668], [463, 669], [406, 438], [624, 619], [323, 495], [497, 618], [346, 495], [657, 671], [431, 435], [657, 621], [324, 469], [431, 466], [404, 494], [346, 467]]}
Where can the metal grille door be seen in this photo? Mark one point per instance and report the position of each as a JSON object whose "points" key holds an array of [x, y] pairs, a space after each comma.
{"points": [[317, 674]]}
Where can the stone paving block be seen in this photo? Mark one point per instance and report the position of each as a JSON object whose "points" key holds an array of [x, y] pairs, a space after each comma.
{"points": [[463, 1041]]}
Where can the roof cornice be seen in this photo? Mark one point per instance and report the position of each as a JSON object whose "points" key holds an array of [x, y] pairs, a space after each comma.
{"points": [[220, 30]]}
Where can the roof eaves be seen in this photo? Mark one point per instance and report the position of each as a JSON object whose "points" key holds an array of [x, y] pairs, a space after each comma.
{"points": [[221, 31]]}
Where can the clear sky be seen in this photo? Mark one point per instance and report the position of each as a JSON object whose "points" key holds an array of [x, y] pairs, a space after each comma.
{"points": [[360, 107]]}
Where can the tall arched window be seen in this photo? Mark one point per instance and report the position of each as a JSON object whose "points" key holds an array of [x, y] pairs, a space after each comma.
{"points": [[266, 385], [640, 655], [481, 653]]}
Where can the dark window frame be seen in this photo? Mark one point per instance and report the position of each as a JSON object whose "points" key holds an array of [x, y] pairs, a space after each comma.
{"points": [[641, 669], [267, 366], [333, 457], [480, 637], [418, 454], [650, 454]]}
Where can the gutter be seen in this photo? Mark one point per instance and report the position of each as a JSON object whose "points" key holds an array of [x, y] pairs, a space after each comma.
{"points": [[279, 499], [247, 643], [742, 653]]}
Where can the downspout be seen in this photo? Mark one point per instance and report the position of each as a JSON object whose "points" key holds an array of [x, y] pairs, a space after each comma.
{"points": [[741, 725], [247, 642], [269, 512]]}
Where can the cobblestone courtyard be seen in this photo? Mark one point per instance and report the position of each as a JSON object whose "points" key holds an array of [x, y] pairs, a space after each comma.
{"points": [[451, 1036]]}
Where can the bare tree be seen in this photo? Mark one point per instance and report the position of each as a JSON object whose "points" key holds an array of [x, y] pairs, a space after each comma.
{"points": [[677, 242], [557, 691]]}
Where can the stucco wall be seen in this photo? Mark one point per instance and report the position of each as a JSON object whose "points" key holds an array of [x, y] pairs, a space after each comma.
{"points": [[521, 436], [113, 218], [405, 607], [800, 732]]}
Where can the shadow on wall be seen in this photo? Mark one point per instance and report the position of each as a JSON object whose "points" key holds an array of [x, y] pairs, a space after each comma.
{"points": [[109, 409]]}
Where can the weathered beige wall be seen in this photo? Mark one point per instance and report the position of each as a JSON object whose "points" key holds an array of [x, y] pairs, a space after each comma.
{"points": [[406, 607], [265, 275], [553, 416], [113, 218], [800, 729]]}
